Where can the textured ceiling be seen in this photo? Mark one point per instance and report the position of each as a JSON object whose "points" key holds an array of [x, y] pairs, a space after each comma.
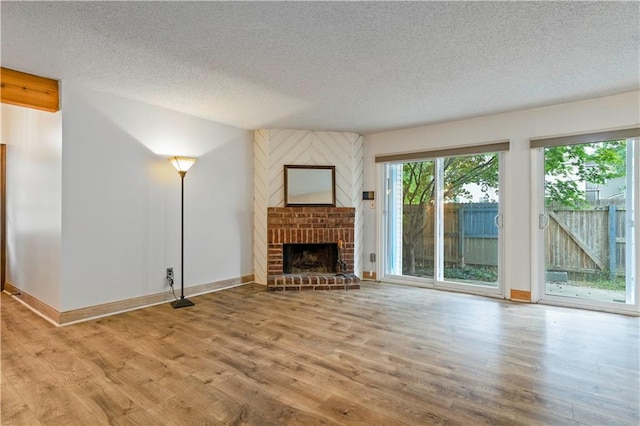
{"points": [[346, 66]]}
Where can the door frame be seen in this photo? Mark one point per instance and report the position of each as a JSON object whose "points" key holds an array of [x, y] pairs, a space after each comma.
{"points": [[538, 267], [3, 214], [459, 286], [500, 291]]}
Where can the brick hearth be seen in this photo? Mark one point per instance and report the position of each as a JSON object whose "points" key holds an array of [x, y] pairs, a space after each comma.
{"points": [[300, 225]]}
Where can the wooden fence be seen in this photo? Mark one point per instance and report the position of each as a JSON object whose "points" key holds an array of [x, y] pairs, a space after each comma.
{"points": [[582, 241], [470, 234], [586, 241]]}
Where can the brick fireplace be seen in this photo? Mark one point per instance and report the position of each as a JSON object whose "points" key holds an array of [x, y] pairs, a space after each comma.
{"points": [[311, 227]]}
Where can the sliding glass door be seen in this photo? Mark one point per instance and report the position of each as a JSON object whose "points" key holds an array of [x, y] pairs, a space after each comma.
{"points": [[588, 223], [443, 221]]}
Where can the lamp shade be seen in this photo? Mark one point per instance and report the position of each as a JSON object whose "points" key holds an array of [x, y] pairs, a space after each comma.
{"points": [[182, 164]]}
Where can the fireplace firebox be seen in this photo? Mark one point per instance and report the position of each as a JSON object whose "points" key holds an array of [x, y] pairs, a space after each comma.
{"points": [[310, 258], [308, 238]]}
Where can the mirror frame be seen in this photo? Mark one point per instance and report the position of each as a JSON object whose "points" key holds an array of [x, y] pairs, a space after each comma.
{"points": [[302, 169]]}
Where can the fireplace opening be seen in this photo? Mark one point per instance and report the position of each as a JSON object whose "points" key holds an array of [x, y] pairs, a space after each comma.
{"points": [[309, 258]]}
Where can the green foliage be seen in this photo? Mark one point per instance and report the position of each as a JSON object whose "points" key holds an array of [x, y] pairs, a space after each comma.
{"points": [[419, 180], [598, 280], [461, 171], [566, 167]]}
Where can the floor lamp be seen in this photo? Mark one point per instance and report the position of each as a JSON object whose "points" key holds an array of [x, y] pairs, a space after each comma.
{"points": [[182, 164]]}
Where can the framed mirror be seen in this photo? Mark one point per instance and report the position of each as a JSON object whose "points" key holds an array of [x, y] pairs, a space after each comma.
{"points": [[309, 186]]}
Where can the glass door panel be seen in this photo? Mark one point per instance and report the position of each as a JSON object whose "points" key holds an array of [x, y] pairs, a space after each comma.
{"points": [[418, 219], [410, 219], [589, 251], [471, 216]]}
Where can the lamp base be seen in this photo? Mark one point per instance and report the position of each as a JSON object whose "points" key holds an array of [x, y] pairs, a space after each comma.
{"points": [[182, 303]]}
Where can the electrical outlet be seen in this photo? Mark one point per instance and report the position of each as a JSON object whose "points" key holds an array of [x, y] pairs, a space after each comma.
{"points": [[372, 257], [169, 275]]}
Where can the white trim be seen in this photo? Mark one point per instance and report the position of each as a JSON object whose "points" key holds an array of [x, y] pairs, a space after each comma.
{"points": [[381, 256], [537, 234], [630, 279], [504, 242], [592, 305], [438, 221], [466, 287], [636, 221], [431, 284], [410, 280]]}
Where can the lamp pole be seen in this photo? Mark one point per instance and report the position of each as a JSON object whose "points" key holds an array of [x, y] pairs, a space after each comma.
{"points": [[182, 164]]}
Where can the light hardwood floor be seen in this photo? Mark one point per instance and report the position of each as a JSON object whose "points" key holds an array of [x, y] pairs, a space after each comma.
{"points": [[381, 355]]}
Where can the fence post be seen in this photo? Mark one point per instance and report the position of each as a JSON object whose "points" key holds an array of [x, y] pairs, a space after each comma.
{"points": [[461, 232], [612, 241]]}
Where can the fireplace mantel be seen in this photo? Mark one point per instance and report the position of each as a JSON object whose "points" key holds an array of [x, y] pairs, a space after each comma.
{"points": [[310, 225]]}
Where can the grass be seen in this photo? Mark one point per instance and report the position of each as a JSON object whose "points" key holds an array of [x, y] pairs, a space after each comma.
{"points": [[602, 282]]}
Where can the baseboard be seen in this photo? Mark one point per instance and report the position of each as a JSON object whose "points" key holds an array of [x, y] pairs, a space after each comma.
{"points": [[106, 309], [368, 275], [44, 310], [112, 308], [520, 296]]}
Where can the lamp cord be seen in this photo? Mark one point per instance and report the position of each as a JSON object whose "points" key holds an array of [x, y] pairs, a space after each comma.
{"points": [[171, 290]]}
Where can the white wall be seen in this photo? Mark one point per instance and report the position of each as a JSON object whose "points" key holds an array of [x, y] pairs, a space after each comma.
{"points": [[518, 127], [34, 143], [121, 199], [273, 148]]}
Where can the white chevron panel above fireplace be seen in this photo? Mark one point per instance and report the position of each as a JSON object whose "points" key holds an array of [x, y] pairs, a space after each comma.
{"points": [[273, 148]]}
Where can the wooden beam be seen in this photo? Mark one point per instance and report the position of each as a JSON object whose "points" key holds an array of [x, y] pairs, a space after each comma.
{"points": [[27, 90]]}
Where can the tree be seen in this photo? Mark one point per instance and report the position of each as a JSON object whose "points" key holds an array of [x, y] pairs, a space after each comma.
{"points": [[567, 166], [418, 190]]}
